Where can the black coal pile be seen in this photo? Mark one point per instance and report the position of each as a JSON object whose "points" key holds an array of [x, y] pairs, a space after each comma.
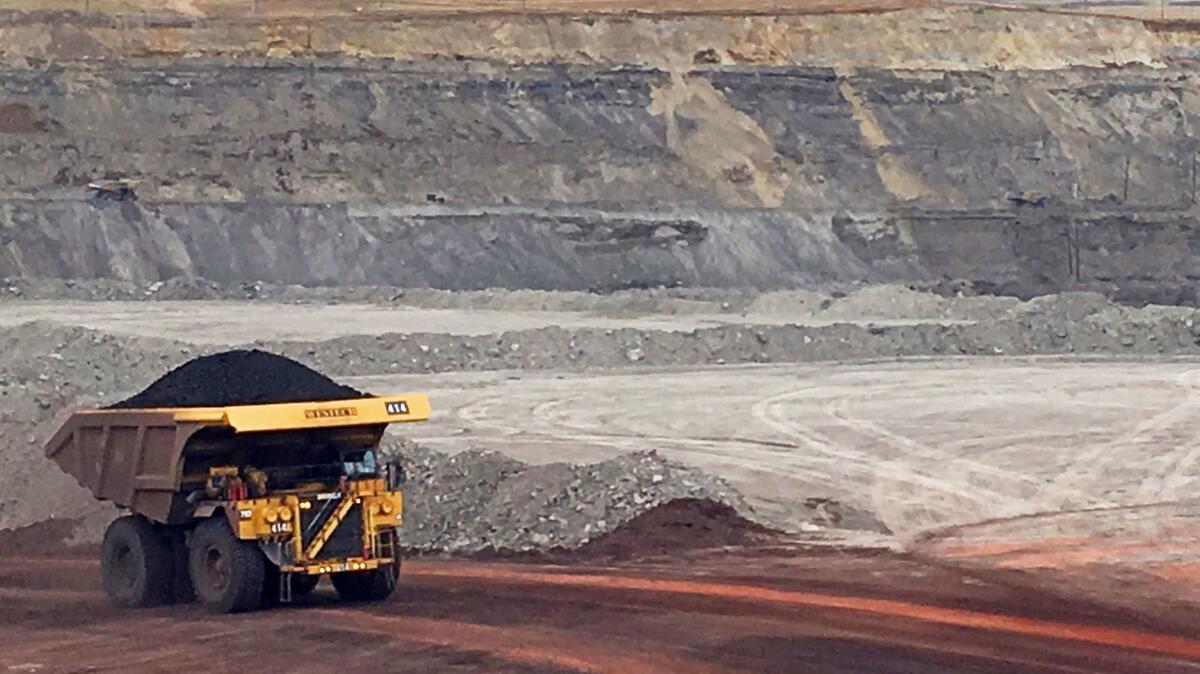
{"points": [[238, 377]]}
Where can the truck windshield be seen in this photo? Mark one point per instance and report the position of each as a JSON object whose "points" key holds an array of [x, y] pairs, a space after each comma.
{"points": [[359, 464]]}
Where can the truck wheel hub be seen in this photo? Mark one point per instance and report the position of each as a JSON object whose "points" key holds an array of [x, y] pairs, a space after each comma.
{"points": [[123, 566], [216, 566]]}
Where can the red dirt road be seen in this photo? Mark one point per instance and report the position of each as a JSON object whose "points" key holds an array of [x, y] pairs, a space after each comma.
{"points": [[783, 611]]}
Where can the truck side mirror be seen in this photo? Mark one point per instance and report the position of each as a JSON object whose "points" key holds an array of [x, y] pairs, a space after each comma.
{"points": [[395, 475]]}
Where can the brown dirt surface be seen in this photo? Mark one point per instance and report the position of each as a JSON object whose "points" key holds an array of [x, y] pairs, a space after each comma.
{"points": [[20, 118], [1147, 551], [43, 538], [829, 612]]}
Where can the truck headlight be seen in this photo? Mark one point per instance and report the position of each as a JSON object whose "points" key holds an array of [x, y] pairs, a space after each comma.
{"points": [[386, 507], [285, 514], [272, 516]]}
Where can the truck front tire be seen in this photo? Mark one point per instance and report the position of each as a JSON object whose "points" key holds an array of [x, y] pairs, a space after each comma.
{"points": [[227, 574], [373, 585], [302, 586], [136, 567]]}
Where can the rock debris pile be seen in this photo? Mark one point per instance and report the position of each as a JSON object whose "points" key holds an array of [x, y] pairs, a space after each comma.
{"points": [[480, 501]]}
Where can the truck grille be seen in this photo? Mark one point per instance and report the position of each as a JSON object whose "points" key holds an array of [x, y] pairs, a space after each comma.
{"points": [[347, 538]]}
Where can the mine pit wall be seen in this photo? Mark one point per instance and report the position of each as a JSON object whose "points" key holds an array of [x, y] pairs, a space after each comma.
{"points": [[742, 152], [1135, 258]]}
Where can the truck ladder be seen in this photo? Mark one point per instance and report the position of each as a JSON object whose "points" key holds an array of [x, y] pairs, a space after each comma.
{"points": [[385, 545]]}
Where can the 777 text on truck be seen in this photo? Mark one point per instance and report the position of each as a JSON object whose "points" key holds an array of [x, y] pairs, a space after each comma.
{"points": [[246, 505]]}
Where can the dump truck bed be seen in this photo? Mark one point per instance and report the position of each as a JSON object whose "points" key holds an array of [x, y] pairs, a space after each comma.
{"points": [[135, 457]]}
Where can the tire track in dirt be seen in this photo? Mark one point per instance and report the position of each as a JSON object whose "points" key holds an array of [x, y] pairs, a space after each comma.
{"points": [[1179, 464], [588, 619], [734, 621], [815, 431], [1097, 635], [965, 479], [887, 503], [958, 529], [37, 594], [109, 645], [527, 646], [1090, 465], [909, 449]]}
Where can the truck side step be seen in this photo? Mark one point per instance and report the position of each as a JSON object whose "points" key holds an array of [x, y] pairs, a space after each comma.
{"points": [[285, 588]]}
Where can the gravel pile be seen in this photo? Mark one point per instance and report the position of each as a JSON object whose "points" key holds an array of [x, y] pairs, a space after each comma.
{"points": [[478, 501], [238, 377], [46, 371], [1026, 330]]}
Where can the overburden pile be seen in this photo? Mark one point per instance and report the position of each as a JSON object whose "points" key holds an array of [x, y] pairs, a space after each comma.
{"points": [[479, 502], [239, 377]]}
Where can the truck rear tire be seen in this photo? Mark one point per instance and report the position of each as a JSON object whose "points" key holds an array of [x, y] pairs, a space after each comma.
{"points": [[135, 563], [374, 585], [227, 574]]}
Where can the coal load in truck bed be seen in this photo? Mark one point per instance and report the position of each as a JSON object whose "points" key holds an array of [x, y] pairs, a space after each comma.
{"points": [[238, 378]]}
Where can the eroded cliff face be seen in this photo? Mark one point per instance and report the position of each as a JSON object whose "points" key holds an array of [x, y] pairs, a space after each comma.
{"points": [[644, 167], [946, 38]]}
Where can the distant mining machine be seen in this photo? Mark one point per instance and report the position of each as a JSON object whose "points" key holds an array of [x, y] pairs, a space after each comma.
{"points": [[113, 190], [245, 505]]}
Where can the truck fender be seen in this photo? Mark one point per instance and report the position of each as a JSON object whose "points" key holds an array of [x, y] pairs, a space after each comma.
{"points": [[205, 511], [273, 550]]}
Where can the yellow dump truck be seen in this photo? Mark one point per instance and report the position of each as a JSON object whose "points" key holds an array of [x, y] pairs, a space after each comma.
{"points": [[245, 505]]}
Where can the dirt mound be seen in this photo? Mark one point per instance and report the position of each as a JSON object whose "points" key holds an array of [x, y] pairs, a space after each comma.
{"points": [[682, 524], [1068, 306], [51, 537], [887, 302], [789, 303], [238, 377], [19, 118]]}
